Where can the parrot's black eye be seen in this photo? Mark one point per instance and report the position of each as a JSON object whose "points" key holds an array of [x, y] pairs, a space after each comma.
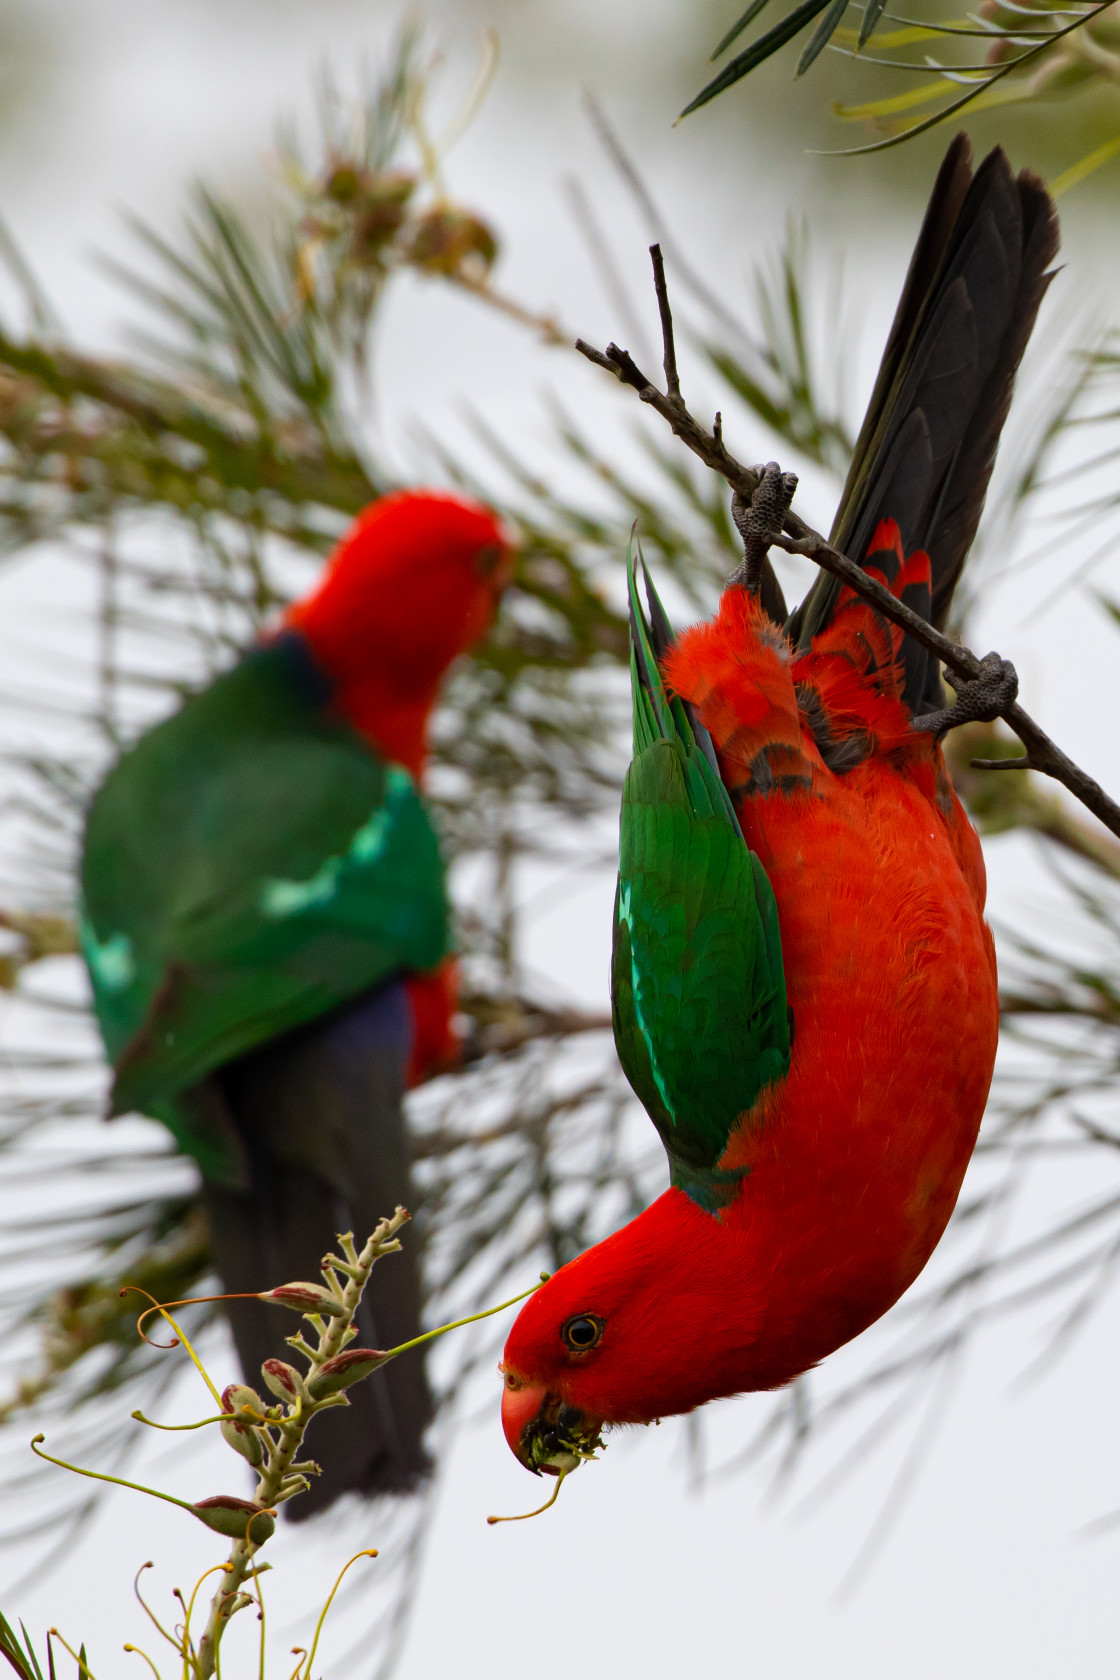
{"points": [[581, 1334], [487, 559]]}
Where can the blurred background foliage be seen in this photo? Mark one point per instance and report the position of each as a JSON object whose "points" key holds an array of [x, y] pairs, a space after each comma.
{"points": [[938, 65], [199, 477]]}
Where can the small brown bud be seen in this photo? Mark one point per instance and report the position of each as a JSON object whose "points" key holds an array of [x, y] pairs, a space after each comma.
{"points": [[304, 1298], [235, 1517], [343, 1371], [446, 240], [379, 213], [282, 1379], [344, 182]]}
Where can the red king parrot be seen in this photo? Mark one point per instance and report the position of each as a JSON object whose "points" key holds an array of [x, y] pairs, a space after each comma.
{"points": [[265, 925], [803, 983]]}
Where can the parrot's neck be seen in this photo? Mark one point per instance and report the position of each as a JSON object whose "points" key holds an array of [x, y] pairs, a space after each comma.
{"points": [[396, 726], [705, 1307]]}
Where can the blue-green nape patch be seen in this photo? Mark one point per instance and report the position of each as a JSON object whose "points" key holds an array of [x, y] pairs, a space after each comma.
{"points": [[711, 1188], [697, 982]]}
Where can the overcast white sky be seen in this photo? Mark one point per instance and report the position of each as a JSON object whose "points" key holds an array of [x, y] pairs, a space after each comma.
{"points": [[984, 1574]]}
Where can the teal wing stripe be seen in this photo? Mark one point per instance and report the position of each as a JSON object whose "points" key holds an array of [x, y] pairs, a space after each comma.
{"points": [[639, 1005], [280, 898]]}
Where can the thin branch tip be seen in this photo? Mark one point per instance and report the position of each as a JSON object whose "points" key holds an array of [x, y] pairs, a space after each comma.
{"points": [[796, 537], [668, 342], [595, 356]]}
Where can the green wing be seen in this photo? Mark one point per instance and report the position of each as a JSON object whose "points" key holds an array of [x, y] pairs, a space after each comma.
{"points": [[248, 865], [697, 984]]}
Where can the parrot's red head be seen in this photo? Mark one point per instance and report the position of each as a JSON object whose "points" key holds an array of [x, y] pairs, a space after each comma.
{"points": [[629, 1332], [413, 584]]}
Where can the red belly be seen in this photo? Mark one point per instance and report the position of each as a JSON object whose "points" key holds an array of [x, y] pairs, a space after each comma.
{"points": [[857, 1160]]}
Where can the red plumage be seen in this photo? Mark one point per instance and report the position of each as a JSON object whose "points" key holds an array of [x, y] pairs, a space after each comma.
{"points": [[855, 1158]]}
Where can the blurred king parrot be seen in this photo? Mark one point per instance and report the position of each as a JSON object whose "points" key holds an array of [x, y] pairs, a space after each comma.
{"points": [[265, 925], [803, 983]]}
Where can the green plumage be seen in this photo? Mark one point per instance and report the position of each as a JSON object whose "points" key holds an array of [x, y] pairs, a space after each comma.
{"points": [[697, 984], [248, 865]]}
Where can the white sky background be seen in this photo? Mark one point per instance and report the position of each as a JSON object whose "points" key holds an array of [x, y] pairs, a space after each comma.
{"points": [[984, 1574]]}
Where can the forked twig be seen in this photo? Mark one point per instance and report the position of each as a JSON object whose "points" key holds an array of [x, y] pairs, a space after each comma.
{"points": [[799, 538]]}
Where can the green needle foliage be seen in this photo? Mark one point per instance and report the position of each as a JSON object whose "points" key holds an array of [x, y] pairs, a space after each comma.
{"points": [[1004, 54], [19, 1656]]}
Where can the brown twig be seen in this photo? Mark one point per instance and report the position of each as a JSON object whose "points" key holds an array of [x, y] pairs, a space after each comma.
{"points": [[539, 320], [672, 380], [799, 538]]}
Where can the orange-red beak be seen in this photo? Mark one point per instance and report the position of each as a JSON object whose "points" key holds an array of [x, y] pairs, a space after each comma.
{"points": [[521, 1406]]}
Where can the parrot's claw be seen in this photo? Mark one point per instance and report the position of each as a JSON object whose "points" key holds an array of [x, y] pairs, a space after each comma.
{"points": [[760, 521], [982, 700]]}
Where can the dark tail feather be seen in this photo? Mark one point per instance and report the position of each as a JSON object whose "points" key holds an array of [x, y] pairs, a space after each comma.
{"points": [[321, 1117], [925, 452]]}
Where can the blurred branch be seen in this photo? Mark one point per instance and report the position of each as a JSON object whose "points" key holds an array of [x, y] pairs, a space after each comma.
{"points": [[83, 1316], [497, 1023], [293, 463], [38, 936], [1001, 803]]}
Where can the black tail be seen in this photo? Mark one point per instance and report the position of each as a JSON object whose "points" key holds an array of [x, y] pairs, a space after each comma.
{"points": [[320, 1113], [926, 449]]}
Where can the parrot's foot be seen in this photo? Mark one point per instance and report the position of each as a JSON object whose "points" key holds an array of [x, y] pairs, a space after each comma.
{"points": [[760, 521], [982, 700]]}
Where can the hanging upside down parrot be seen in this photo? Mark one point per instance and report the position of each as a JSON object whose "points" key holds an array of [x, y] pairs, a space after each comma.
{"points": [[803, 983], [265, 926]]}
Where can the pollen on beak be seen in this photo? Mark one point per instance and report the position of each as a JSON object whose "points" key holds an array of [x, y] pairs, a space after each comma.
{"points": [[543, 1432]]}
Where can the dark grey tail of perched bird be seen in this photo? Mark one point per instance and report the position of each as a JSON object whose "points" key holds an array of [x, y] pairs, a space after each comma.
{"points": [[320, 1114], [925, 453]]}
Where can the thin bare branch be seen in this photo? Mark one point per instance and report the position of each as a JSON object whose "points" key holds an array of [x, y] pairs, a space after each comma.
{"points": [[669, 348], [799, 538]]}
